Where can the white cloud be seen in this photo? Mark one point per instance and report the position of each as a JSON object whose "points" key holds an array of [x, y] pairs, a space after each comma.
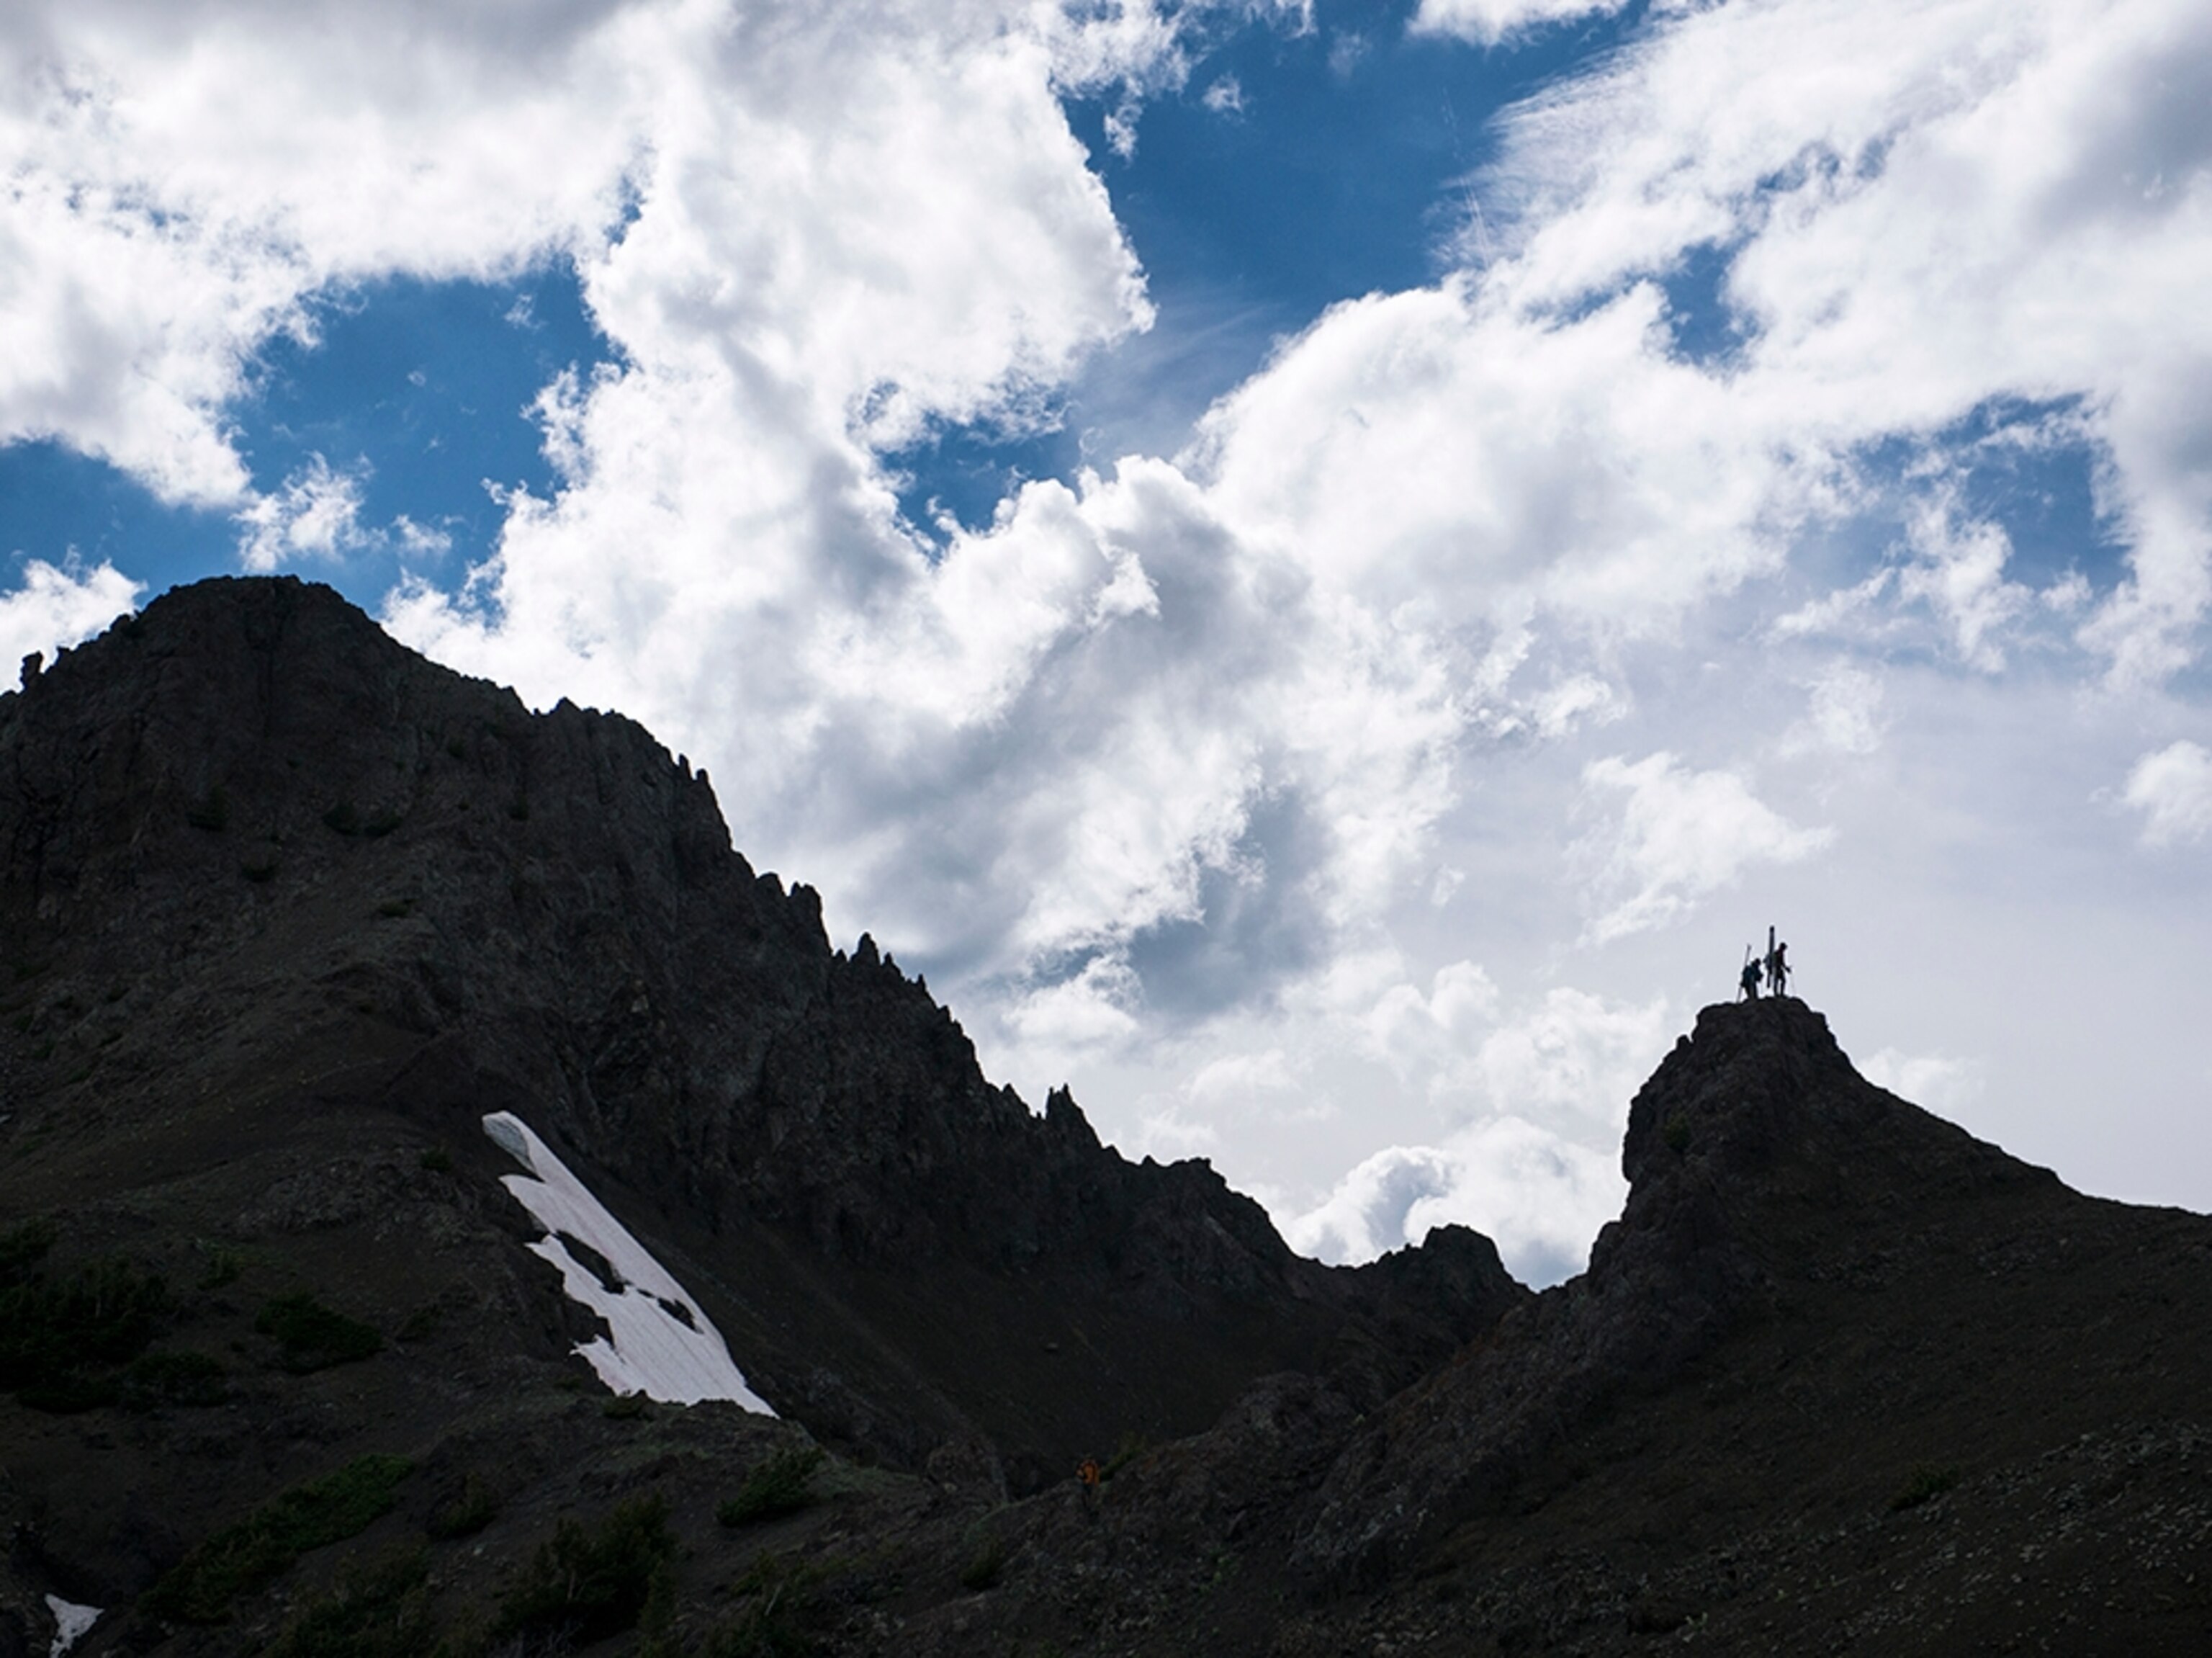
{"points": [[58, 607], [1573, 1058], [1489, 21], [1682, 835], [1844, 713], [315, 514], [1929, 207], [1539, 1196], [1960, 573], [1193, 741], [1950, 1088], [2173, 788], [1225, 96]]}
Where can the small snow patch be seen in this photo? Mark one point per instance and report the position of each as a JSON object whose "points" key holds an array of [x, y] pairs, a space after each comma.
{"points": [[70, 1622], [661, 1346]]}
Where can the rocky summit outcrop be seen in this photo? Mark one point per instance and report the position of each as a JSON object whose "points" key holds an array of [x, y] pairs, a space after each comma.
{"points": [[1756, 1157], [267, 877]]}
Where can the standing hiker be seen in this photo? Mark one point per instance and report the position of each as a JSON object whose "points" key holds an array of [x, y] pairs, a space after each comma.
{"points": [[1777, 969], [1747, 984]]}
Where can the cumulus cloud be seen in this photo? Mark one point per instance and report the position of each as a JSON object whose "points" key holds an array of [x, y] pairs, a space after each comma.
{"points": [[315, 514], [1948, 1087], [1925, 209], [1539, 1196], [1489, 21], [1198, 736], [1539, 1095], [1681, 836], [61, 606], [2173, 788], [1844, 713]]}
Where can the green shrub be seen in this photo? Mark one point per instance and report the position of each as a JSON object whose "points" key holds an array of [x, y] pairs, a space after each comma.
{"points": [[312, 1336], [23, 1248], [381, 1610], [1926, 1481], [985, 1567], [53, 1336], [1132, 1446], [779, 1486], [591, 1582], [437, 1159], [472, 1508], [224, 1266], [211, 812], [342, 818], [200, 1588], [1677, 1135], [158, 1379]]}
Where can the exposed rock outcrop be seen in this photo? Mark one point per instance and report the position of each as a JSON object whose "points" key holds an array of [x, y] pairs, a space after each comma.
{"points": [[1755, 1155]]}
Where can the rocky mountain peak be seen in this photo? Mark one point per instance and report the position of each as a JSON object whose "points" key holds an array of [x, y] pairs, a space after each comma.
{"points": [[270, 880], [1758, 1159]]}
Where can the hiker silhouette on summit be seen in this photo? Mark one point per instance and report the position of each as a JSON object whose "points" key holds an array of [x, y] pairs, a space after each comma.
{"points": [[1777, 969], [1747, 984]]}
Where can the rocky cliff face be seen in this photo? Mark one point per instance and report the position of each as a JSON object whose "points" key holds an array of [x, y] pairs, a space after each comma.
{"points": [[270, 878], [1755, 1155]]}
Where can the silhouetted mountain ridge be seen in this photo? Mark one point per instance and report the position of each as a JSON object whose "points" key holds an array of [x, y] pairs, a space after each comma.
{"points": [[322, 873], [285, 909]]}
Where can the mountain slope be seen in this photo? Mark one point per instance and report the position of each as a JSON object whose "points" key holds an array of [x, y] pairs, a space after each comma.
{"points": [[286, 910]]}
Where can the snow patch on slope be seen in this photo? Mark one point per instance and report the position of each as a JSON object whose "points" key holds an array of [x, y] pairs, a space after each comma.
{"points": [[662, 1345], [70, 1622]]}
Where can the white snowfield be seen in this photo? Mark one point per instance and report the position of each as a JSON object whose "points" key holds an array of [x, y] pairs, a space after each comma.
{"points": [[70, 1622], [663, 1345]]}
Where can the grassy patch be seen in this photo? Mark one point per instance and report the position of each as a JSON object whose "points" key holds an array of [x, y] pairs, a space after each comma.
{"points": [[776, 1595], [200, 1588], [312, 1336], [471, 1508], [589, 1582], [381, 1610], [779, 1486]]}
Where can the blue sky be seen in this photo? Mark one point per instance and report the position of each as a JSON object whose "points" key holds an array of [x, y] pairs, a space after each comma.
{"points": [[1321, 569]]}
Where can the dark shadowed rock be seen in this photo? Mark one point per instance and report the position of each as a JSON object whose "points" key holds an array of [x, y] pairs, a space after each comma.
{"points": [[285, 909], [274, 889], [1756, 1155]]}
